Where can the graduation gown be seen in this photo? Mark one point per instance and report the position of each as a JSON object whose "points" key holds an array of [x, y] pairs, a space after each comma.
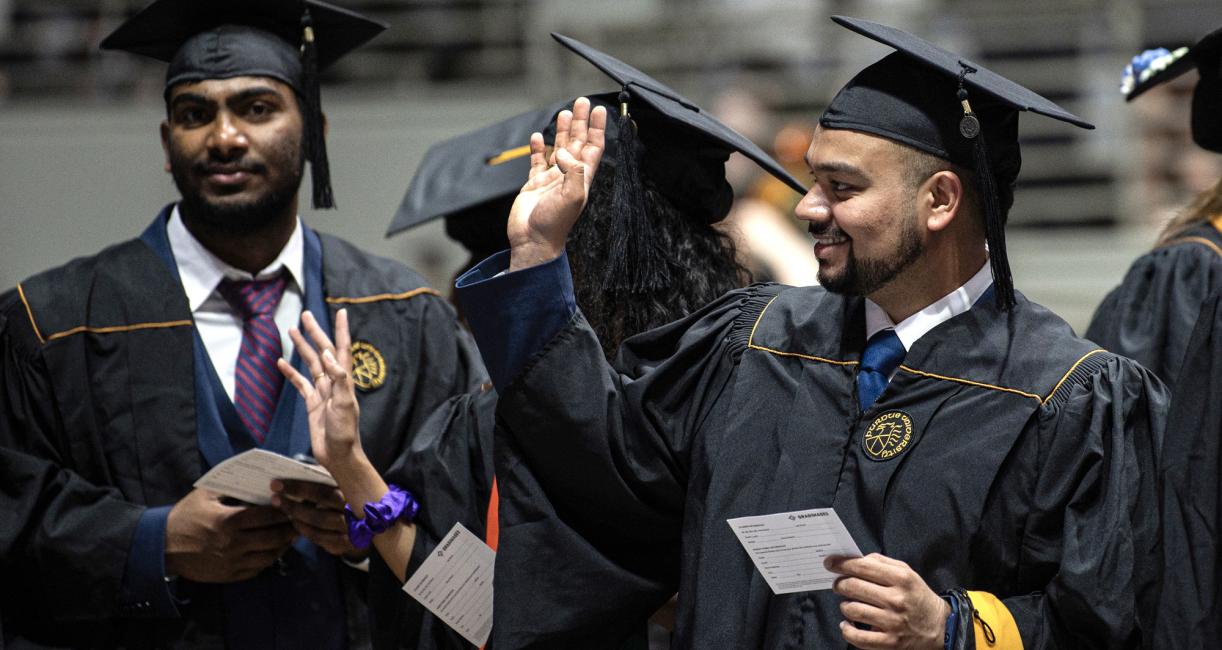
{"points": [[97, 374], [1025, 474], [1190, 609], [1150, 316]]}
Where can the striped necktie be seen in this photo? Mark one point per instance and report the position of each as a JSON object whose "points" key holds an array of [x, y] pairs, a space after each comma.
{"points": [[883, 354], [257, 382]]}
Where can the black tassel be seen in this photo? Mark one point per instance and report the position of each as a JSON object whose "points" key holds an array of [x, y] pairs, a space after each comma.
{"points": [[315, 139], [994, 224], [633, 263]]}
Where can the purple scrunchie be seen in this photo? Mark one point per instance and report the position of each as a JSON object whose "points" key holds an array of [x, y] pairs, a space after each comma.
{"points": [[396, 504]]}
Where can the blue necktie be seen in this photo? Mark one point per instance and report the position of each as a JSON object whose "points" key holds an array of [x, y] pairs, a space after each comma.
{"points": [[883, 354]]}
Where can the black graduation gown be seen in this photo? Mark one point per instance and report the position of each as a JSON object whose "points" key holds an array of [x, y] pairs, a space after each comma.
{"points": [[1028, 474], [96, 375], [1190, 609], [1150, 316]]}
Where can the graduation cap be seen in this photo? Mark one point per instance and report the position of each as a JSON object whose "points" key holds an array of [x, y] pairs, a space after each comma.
{"points": [[286, 40], [1158, 66], [950, 107], [472, 179]]}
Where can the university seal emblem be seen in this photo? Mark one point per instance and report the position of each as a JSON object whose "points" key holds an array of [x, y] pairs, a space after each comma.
{"points": [[888, 436], [368, 366]]}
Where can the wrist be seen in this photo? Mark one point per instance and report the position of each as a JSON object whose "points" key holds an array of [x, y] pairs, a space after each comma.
{"points": [[376, 517], [524, 256]]}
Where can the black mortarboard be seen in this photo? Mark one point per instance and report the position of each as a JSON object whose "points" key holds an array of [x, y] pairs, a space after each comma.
{"points": [[466, 179], [472, 179], [1154, 67], [950, 107], [286, 40]]}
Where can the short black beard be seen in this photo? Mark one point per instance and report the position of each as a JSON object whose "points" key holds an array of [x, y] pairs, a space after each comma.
{"points": [[243, 218], [864, 277]]}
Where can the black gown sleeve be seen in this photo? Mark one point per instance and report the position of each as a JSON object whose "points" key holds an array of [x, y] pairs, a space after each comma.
{"points": [[1191, 480], [1150, 316], [592, 466], [1091, 534], [71, 551]]}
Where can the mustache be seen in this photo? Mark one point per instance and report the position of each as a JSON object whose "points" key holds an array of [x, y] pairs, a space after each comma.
{"points": [[218, 167], [828, 229]]}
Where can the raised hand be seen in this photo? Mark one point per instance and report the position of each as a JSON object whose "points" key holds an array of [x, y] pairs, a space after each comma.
{"points": [[334, 414], [556, 191]]}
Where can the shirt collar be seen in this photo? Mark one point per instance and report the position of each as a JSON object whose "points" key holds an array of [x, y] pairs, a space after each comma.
{"points": [[201, 271], [945, 308]]}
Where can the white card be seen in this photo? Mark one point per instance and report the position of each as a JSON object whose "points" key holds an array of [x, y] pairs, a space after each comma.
{"points": [[788, 547], [455, 583], [248, 476]]}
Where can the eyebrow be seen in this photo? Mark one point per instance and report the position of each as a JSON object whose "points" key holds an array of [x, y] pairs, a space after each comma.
{"points": [[247, 94], [833, 167]]}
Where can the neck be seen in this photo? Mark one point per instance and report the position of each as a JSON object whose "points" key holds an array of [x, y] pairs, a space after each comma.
{"points": [[935, 274], [248, 250]]}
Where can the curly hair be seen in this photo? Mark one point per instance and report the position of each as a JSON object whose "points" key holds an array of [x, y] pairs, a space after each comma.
{"points": [[701, 261]]}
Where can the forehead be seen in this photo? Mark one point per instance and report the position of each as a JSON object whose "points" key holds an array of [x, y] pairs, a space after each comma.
{"points": [[219, 89], [872, 154]]}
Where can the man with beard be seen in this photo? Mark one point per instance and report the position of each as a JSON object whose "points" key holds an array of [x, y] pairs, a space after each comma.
{"points": [[996, 470], [137, 369]]}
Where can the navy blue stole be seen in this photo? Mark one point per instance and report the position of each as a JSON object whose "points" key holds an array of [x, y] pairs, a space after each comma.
{"points": [[298, 602]]}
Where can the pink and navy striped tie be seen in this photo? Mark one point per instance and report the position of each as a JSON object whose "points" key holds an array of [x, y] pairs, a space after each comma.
{"points": [[257, 382]]}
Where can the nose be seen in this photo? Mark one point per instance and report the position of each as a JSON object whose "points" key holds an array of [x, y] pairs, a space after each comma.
{"points": [[227, 140], [814, 206]]}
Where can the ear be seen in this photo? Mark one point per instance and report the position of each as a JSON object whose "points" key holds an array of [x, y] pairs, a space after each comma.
{"points": [[165, 143], [941, 199]]}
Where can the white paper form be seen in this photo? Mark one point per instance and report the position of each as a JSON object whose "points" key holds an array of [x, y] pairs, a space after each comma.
{"points": [[248, 476], [788, 547], [455, 583]]}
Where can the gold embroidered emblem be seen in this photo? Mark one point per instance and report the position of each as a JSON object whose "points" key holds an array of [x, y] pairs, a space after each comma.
{"points": [[368, 366], [888, 435]]}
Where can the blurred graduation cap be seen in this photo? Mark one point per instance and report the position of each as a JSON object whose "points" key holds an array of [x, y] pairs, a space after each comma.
{"points": [[1158, 66], [286, 40], [950, 107], [472, 179]]}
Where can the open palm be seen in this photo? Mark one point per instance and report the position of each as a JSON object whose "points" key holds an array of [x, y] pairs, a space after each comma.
{"points": [[558, 185], [330, 400]]}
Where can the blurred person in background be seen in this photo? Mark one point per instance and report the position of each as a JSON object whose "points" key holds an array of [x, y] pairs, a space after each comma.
{"points": [[661, 181], [135, 370], [1151, 315]]}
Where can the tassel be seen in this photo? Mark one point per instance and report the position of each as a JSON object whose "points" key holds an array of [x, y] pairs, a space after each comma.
{"points": [[994, 225], [633, 263], [315, 140]]}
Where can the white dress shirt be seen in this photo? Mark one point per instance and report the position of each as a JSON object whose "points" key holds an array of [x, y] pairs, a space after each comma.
{"points": [[943, 309], [219, 325]]}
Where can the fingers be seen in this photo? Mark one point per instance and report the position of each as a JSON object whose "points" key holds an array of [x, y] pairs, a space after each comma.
{"points": [[313, 362], [538, 155], [253, 517], [322, 495], [575, 186], [875, 617], [267, 540], [864, 591], [303, 385], [343, 339], [578, 126], [596, 140], [865, 639], [874, 567], [322, 342], [564, 122]]}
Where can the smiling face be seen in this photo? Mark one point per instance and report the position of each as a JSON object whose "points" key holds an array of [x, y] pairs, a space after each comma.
{"points": [[862, 211], [234, 148]]}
